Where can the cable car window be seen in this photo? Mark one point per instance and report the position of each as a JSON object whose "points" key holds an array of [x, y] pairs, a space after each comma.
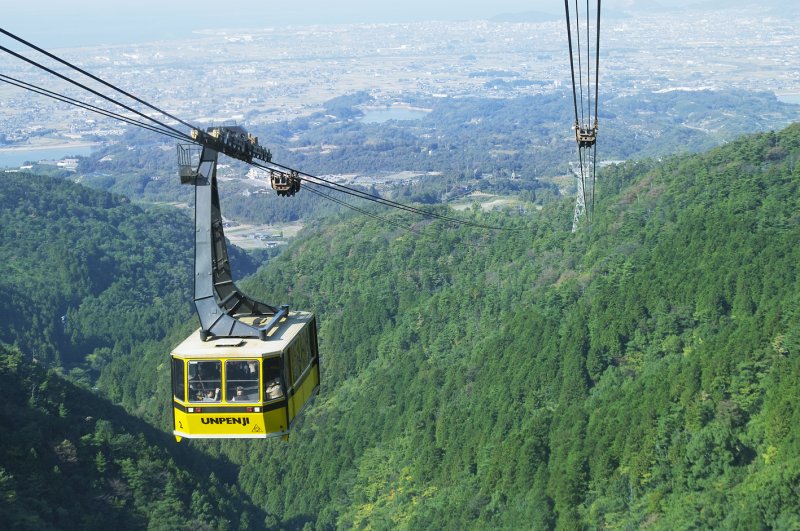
{"points": [[241, 381], [205, 381], [299, 357], [294, 364], [178, 387], [312, 338], [306, 339], [305, 350], [272, 379]]}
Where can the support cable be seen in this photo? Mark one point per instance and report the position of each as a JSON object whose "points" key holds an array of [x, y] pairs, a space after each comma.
{"points": [[571, 62], [355, 192], [597, 65], [580, 63], [377, 217], [588, 66], [361, 210]]}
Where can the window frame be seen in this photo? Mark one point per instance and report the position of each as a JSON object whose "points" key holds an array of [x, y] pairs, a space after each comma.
{"points": [[179, 380], [211, 381], [226, 391]]}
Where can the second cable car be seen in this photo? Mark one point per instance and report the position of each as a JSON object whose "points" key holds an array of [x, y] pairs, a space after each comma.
{"points": [[284, 184]]}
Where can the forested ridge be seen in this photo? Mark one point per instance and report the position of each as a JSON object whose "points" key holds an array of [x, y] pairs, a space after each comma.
{"points": [[642, 372], [69, 459], [88, 272]]}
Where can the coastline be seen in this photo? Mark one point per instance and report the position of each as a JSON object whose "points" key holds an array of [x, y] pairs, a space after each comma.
{"points": [[15, 148]]}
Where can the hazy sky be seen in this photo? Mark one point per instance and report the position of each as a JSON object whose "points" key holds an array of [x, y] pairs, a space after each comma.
{"points": [[56, 23]]}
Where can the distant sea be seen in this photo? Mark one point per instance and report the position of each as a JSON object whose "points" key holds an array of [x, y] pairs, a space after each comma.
{"points": [[789, 98], [108, 34], [16, 158]]}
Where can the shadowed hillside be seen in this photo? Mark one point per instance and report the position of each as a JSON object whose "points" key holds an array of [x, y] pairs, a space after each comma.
{"points": [[71, 460]]}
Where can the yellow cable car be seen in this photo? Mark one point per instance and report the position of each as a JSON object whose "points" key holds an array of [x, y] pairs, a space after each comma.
{"points": [[251, 367], [245, 388]]}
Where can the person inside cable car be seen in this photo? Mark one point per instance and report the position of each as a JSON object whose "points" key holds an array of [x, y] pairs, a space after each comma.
{"points": [[241, 374], [211, 396], [204, 377], [240, 396], [273, 389], [272, 379]]}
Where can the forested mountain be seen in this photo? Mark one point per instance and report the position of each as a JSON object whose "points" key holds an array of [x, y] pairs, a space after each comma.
{"points": [[91, 278], [88, 274], [642, 372], [71, 460]]}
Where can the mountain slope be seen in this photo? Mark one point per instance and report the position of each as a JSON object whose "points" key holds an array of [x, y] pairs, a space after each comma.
{"points": [[90, 275], [88, 270], [71, 460], [640, 373]]}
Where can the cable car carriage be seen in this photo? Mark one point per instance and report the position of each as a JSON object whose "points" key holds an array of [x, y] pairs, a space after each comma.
{"points": [[284, 184], [250, 368], [586, 136], [228, 387]]}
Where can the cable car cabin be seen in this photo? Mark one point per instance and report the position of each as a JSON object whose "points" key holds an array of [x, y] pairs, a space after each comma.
{"points": [[284, 184], [585, 136], [230, 387]]}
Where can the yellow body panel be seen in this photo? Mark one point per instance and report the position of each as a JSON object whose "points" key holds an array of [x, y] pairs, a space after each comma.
{"points": [[264, 414], [211, 424], [300, 395]]}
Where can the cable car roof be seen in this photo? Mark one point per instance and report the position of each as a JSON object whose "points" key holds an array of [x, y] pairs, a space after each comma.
{"points": [[280, 336]]}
